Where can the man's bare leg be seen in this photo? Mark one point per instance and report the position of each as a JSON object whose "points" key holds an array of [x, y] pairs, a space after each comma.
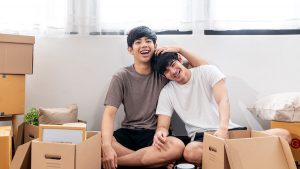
{"points": [[283, 133], [152, 157], [193, 152], [120, 149]]}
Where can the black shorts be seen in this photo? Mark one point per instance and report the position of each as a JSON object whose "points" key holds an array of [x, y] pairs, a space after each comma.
{"points": [[134, 139], [199, 136]]}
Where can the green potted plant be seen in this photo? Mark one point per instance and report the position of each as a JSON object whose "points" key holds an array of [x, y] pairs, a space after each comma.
{"points": [[32, 117]]}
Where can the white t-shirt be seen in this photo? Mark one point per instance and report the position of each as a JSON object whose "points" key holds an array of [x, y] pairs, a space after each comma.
{"points": [[194, 101]]}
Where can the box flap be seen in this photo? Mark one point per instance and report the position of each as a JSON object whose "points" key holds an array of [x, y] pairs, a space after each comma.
{"points": [[88, 153], [288, 154], [213, 152], [91, 133], [20, 135], [17, 39], [22, 158], [256, 153]]}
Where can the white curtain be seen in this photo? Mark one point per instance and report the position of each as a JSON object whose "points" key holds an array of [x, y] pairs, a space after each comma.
{"points": [[253, 14], [43, 17], [92, 17], [83, 17], [160, 15]]}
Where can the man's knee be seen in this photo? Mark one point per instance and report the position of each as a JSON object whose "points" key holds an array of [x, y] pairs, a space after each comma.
{"points": [[176, 146], [285, 134], [193, 156], [193, 152]]}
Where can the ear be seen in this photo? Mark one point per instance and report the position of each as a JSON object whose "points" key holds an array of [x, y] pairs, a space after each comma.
{"points": [[130, 50]]}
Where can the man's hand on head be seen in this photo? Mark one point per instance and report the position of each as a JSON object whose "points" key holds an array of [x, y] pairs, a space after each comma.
{"points": [[163, 50]]}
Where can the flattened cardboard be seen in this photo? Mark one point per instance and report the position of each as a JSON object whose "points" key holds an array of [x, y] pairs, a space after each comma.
{"points": [[12, 97], [5, 147], [16, 54], [294, 129], [246, 150], [22, 158]]}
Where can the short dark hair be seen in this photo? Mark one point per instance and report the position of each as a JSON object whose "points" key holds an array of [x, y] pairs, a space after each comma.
{"points": [[139, 32], [162, 61]]}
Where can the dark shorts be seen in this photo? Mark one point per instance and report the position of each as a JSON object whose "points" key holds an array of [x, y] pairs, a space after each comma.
{"points": [[199, 136], [134, 139]]}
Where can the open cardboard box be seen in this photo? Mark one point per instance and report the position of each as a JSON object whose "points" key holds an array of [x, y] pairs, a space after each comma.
{"points": [[294, 129], [26, 133], [246, 149], [39, 155]]}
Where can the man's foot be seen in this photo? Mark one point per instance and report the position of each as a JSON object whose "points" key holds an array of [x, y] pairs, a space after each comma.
{"points": [[170, 166]]}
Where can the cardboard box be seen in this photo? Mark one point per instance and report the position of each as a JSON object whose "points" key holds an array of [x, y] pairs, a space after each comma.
{"points": [[86, 155], [26, 133], [294, 129], [246, 149], [16, 54], [5, 147], [12, 97]]}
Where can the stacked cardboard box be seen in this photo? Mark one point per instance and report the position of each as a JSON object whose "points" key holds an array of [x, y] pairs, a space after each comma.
{"points": [[246, 150], [16, 54], [294, 129], [16, 60], [5, 147]]}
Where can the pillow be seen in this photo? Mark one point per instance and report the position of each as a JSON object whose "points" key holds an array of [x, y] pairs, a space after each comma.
{"points": [[280, 107], [58, 115]]}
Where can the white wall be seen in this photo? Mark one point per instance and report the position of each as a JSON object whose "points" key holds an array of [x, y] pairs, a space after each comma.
{"points": [[78, 70]]}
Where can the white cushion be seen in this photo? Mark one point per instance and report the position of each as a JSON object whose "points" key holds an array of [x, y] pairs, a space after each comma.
{"points": [[281, 107]]}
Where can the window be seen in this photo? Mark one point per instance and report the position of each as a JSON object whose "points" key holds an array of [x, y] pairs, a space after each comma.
{"points": [[116, 15], [253, 15]]}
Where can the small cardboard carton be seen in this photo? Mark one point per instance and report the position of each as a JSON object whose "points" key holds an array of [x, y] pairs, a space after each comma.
{"points": [[60, 155], [5, 147], [12, 97], [246, 149], [294, 129], [16, 54], [26, 133]]}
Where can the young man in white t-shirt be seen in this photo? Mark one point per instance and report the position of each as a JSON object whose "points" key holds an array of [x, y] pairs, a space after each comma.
{"points": [[199, 97]]}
